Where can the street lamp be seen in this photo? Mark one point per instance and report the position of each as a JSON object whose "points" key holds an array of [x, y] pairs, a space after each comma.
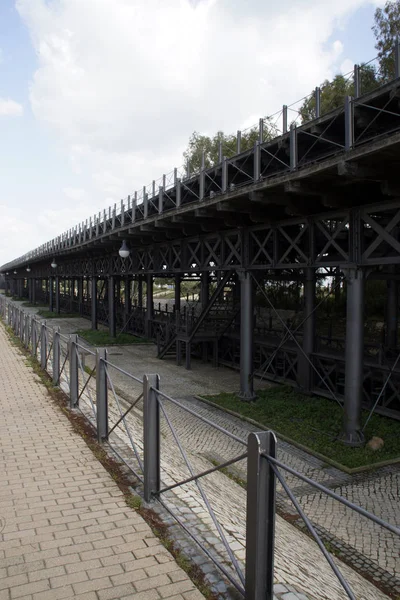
{"points": [[124, 250], [28, 269], [15, 272], [53, 264]]}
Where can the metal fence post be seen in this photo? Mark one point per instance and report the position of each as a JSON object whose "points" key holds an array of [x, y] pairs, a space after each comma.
{"points": [[151, 436], [43, 345], [293, 147], [56, 355], [27, 331], [34, 337], [22, 326], [348, 123], [73, 370], [260, 517], [101, 395]]}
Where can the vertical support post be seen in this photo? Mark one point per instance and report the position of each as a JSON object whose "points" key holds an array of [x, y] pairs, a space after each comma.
{"points": [[257, 161], [188, 168], [112, 326], [127, 300], [357, 81], [348, 123], [261, 130], [246, 336], [392, 314], [94, 301], [178, 193], [51, 294], [149, 304], [34, 338], [397, 58], [305, 371], [260, 517], [202, 176], [352, 434], [73, 370], [145, 203], [177, 292], [224, 177], [80, 295], [317, 96], [220, 151], [33, 300], [43, 345], [293, 147], [57, 295], [56, 356], [101, 395], [140, 291], [151, 436], [238, 142], [284, 119], [160, 199], [26, 332], [204, 289]]}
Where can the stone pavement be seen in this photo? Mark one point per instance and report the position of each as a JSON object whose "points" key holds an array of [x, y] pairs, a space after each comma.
{"points": [[65, 530], [302, 566]]}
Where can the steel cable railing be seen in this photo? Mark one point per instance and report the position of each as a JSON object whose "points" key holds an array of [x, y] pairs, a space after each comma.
{"points": [[367, 75]]}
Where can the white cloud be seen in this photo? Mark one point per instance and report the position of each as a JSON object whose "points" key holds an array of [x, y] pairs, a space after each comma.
{"points": [[10, 108], [123, 84]]}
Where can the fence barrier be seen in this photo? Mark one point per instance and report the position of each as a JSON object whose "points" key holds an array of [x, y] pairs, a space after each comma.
{"points": [[88, 389]]}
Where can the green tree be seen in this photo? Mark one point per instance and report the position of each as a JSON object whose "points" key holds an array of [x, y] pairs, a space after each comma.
{"points": [[386, 29], [210, 145], [334, 92]]}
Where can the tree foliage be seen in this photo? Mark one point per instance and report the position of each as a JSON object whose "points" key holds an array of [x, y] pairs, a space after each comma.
{"points": [[334, 92], [386, 29], [210, 145]]}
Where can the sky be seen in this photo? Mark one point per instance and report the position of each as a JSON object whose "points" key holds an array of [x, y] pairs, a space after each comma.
{"points": [[100, 97]]}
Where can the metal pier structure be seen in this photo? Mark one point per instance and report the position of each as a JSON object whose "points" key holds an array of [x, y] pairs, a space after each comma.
{"points": [[321, 200]]}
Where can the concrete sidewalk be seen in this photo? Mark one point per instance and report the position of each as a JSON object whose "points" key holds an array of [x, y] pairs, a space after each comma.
{"points": [[65, 530]]}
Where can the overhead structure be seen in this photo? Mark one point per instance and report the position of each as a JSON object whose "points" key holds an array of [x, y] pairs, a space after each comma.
{"points": [[320, 201]]}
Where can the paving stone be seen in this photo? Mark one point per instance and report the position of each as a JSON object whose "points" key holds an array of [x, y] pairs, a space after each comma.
{"points": [[47, 555]]}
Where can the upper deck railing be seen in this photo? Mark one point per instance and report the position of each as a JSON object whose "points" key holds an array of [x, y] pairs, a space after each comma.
{"points": [[184, 185]]}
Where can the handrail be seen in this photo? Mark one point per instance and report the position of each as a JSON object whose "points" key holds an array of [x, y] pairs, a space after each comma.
{"points": [[141, 200]]}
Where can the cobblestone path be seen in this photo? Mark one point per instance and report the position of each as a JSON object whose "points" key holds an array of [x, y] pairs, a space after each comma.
{"points": [[370, 548]]}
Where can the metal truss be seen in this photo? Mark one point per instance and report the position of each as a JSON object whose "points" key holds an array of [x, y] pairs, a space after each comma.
{"points": [[362, 121]]}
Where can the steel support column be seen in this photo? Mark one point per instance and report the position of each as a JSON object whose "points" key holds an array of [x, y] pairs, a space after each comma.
{"points": [[149, 303], [112, 325], [305, 371], [57, 295], [94, 301], [80, 295], [352, 434], [140, 290], [51, 294], [71, 294], [392, 314], [33, 300], [127, 300], [246, 336], [177, 292], [204, 289]]}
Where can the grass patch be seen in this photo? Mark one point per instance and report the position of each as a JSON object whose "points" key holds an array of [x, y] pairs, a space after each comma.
{"points": [[315, 422], [48, 314], [102, 338]]}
